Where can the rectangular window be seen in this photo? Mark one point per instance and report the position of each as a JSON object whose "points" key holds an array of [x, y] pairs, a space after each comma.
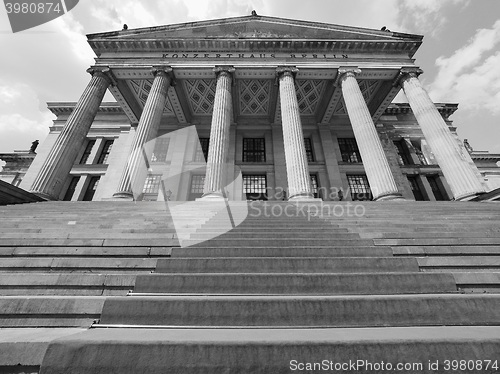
{"points": [[420, 154], [415, 188], [309, 149], [359, 187], [403, 154], [349, 150], [91, 189], [254, 150], [106, 150], [314, 184], [436, 188], [254, 187], [152, 184], [197, 186], [160, 150], [88, 150], [71, 189], [202, 150]]}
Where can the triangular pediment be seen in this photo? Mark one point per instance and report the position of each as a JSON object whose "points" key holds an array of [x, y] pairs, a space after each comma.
{"points": [[256, 27]]}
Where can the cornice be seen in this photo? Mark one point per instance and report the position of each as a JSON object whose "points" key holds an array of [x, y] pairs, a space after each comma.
{"points": [[59, 108], [444, 109]]}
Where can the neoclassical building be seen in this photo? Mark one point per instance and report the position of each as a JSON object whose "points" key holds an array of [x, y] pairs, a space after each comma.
{"points": [[256, 107]]}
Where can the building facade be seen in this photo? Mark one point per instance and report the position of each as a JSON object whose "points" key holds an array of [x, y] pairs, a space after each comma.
{"points": [[256, 108]]}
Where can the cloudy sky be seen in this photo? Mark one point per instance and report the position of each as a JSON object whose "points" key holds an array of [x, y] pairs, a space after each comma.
{"points": [[460, 55]]}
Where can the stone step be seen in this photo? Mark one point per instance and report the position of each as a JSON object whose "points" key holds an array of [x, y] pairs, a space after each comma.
{"points": [[451, 263], [84, 251], [305, 251], [276, 351], [19, 242], [438, 241], [61, 264], [287, 265], [288, 242], [22, 349], [312, 311], [477, 282], [66, 284], [418, 235], [282, 234], [447, 250], [49, 311], [280, 284]]}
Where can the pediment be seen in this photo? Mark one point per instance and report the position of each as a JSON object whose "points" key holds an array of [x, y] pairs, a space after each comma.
{"points": [[255, 27]]}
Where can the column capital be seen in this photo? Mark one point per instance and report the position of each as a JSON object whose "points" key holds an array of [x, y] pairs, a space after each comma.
{"points": [[405, 73], [346, 71], [283, 71], [165, 71], [103, 72], [225, 70]]}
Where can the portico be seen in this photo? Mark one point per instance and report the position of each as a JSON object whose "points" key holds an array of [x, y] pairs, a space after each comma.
{"points": [[286, 89]]}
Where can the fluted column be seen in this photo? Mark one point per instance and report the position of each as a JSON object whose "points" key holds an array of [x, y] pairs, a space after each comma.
{"points": [[56, 167], [378, 171], [297, 168], [452, 159], [219, 135], [135, 171]]}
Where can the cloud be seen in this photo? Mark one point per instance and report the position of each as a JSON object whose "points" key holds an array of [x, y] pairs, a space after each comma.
{"points": [[471, 75], [427, 16]]}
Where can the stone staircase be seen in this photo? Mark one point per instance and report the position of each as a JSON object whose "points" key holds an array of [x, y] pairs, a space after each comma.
{"points": [[399, 282]]}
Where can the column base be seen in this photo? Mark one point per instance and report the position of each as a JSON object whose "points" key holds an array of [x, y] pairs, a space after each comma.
{"points": [[468, 197], [390, 197], [125, 196], [304, 198], [43, 196], [212, 196]]}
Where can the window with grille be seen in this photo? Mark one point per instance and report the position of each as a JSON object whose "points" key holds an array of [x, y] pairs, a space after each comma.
{"points": [[91, 189], [415, 188], [197, 183], [202, 150], [71, 189], [309, 149], [254, 150], [161, 149], [403, 154], [314, 184], [106, 150], [87, 152], [349, 150], [359, 187], [254, 187], [420, 155], [152, 184], [436, 188]]}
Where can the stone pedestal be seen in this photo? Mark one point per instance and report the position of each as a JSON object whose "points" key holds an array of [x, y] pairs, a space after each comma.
{"points": [[215, 179], [375, 162], [299, 184], [452, 159], [54, 171], [134, 174]]}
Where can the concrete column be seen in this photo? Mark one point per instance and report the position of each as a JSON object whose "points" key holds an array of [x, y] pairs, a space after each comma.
{"points": [[375, 162], [452, 159], [134, 174], [219, 135], [280, 179], [56, 167], [297, 168], [331, 162]]}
